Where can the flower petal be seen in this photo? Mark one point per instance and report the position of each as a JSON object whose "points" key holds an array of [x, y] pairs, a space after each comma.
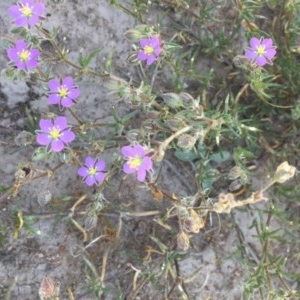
{"points": [[20, 45], [128, 151], [142, 55], [45, 125], [268, 43], [67, 136], [12, 54], [139, 150], [53, 85], [38, 8], [34, 53], [147, 163], [67, 102], [28, 2], [83, 171], [20, 65], [68, 82], [261, 61], [33, 20], [127, 169], [43, 139], [270, 53], [89, 162], [32, 63], [155, 41], [144, 42], [14, 11], [53, 98], [151, 59], [57, 145], [100, 165], [90, 180], [21, 21], [254, 42], [157, 51], [141, 175], [61, 122], [100, 177], [250, 54], [74, 93]]}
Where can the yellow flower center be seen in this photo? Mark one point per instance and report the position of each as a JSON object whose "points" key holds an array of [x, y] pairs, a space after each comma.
{"points": [[134, 162], [148, 50], [260, 50], [24, 55], [92, 171], [26, 11], [55, 134], [63, 92]]}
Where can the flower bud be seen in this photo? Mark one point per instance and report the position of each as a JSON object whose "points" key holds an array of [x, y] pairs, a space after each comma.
{"points": [[174, 124]]}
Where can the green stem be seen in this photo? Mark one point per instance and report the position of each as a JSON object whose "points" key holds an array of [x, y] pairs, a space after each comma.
{"points": [[75, 116]]}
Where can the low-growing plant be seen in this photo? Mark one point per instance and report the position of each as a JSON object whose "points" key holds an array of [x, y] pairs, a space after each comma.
{"points": [[222, 122]]}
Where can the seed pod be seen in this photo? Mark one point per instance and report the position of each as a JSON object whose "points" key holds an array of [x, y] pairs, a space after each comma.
{"points": [[90, 221], [174, 124], [235, 173], [225, 203], [284, 172], [132, 135], [44, 198], [183, 241], [186, 97], [24, 138], [49, 289], [20, 175], [186, 142], [235, 186], [172, 100], [241, 62], [193, 223]]}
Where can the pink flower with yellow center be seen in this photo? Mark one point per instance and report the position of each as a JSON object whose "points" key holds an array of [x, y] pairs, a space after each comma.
{"points": [[137, 161], [261, 51], [150, 49], [27, 12], [54, 134], [92, 171], [63, 92], [23, 56]]}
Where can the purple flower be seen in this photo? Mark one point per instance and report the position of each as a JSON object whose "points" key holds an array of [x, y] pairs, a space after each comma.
{"points": [[150, 49], [63, 93], [27, 12], [23, 57], [54, 134], [137, 161], [261, 51], [92, 171]]}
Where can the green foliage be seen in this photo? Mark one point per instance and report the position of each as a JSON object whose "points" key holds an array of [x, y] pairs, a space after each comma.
{"points": [[205, 106]]}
